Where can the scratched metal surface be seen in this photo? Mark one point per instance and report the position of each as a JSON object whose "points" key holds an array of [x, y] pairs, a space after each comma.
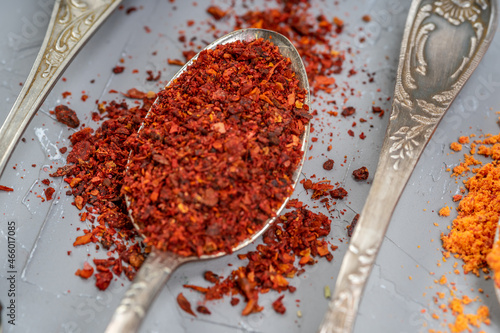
{"points": [[49, 298]]}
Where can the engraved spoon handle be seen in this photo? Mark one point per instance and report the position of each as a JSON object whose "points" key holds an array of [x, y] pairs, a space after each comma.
{"points": [[441, 47], [71, 24], [149, 281]]}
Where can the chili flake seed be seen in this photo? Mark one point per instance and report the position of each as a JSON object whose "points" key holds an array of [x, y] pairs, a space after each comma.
{"points": [[67, 116], [224, 153], [361, 173]]}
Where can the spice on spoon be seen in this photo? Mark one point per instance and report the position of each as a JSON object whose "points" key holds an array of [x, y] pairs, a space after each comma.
{"points": [[218, 150]]}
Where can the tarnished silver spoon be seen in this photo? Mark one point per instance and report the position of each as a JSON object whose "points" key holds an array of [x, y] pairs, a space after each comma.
{"points": [[443, 43], [71, 24], [159, 265]]}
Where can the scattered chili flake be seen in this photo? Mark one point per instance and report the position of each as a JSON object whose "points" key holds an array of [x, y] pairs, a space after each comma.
{"points": [[213, 161], [86, 272], [118, 69], [176, 62], [216, 12], [6, 189], [445, 211], [66, 94], [49, 192], [377, 109], [339, 193], [350, 227], [130, 10], [152, 77], [328, 165], [46, 182], [85, 97], [350, 132], [184, 304], [348, 111], [366, 18], [278, 305], [203, 309], [67, 116], [361, 173]]}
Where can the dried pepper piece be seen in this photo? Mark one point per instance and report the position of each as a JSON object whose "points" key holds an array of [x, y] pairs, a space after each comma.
{"points": [[338, 193], [49, 192], [278, 305], [6, 189], [348, 111], [218, 150], [86, 272], [350, 227], [328, 165], [216, 12], [361, 173], [203, 309], [67, 116], [118, 69], [184, 304]]}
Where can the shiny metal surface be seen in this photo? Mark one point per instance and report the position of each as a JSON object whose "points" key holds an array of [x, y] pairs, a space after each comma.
{"points": [[159, 265], [72, 23], [441, 47]]}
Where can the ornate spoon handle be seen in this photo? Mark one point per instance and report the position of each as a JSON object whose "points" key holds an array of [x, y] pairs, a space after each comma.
{"points": [[149, 281], [443, 43], [71, 24]]}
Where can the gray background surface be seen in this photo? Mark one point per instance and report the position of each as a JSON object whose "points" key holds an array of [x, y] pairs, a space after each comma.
{"points": [[51, 299]]}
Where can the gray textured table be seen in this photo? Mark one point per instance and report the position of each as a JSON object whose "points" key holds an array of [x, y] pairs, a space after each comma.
{"points": [[49, 298]]}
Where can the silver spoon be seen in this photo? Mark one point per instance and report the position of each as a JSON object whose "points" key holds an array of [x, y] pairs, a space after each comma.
{"points": [[71, 24], [159, 265], [442, 45]]}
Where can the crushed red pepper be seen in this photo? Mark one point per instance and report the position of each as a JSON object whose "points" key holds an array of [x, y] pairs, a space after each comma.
{"points": [[6, 189], [295, 235], [94, 174], [67, 116], [218, 150], [184, 304], [361, 173], [328, 165]]}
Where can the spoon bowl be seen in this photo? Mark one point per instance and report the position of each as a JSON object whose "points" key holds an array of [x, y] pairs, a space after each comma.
{"points": [[159, 265]]}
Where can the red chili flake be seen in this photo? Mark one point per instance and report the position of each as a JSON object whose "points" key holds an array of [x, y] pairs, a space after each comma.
{"points": [[63, 150], [46, 182], [366, 18], [339, 193], [181, 141], [49, 192], [103, 279], [188, 55], [85, 97], [66, 94], [86, 272], [67, 116], [362, 136], [147, 29], [176, 62], [184, 304], [152, 77], [348, 111], [328, 165], [118, 69], [6, 189], [82, 240], [130, 10], [361, 173], [457, 197], [350, 132], [350, 227], [235, 301], [211, 277], [135, 93], [377, 109], [278, 305], [203, 309], [216, 12]]}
